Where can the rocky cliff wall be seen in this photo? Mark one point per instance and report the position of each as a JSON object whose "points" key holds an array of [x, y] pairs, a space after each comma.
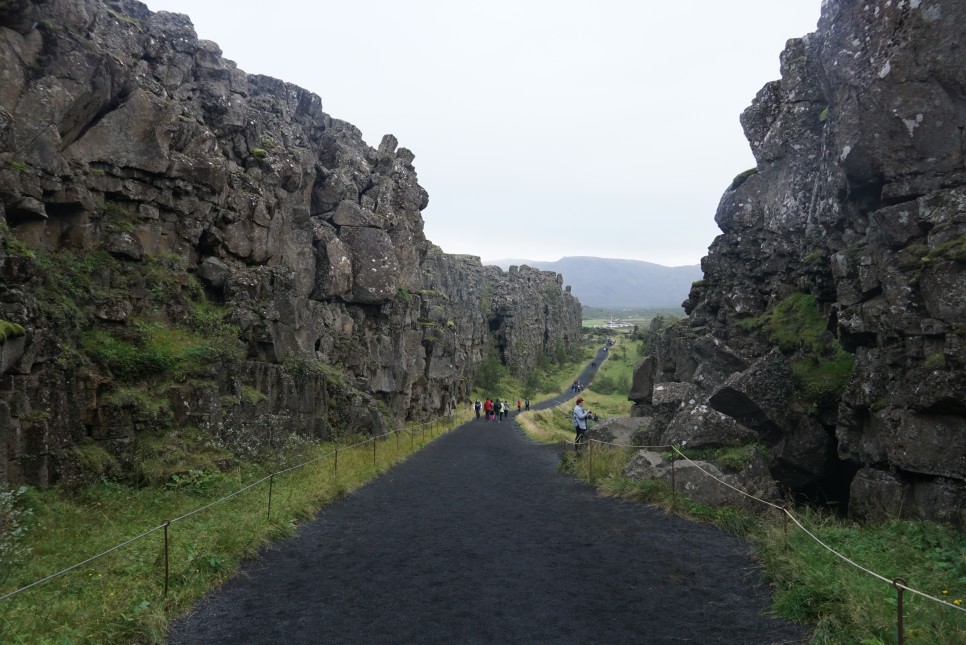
{"points": [[187, 245], [831, 319]]}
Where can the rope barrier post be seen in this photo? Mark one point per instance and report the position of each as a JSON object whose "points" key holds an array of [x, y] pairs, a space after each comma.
{"points": [[373, 452], [167, 523], [396, 432], [412, 439], [590, 462], [899, 583], [337, 462], [271, 485], [785, 523], [674, 488]]}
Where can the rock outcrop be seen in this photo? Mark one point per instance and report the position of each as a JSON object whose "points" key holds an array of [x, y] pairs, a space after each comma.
{"points": [[830, 321], [187, 245]]}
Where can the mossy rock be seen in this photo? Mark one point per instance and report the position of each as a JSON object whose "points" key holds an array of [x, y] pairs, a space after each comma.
{"points": [[10, 330], [742, 177], [162, 456], [85, 464]]}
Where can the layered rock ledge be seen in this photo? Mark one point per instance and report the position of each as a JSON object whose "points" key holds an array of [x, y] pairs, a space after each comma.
{"points": [[830, 323], [156, 197]]}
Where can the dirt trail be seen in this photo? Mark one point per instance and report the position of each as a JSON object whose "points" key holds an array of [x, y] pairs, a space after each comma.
{"points": [[478, 539]]}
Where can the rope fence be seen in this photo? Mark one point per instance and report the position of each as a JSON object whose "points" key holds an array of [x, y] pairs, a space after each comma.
{"points": [[433, 426], [898, 583]]}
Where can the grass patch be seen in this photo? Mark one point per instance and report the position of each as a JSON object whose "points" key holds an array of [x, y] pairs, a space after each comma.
{"points": [[119, 597], [162, 456], [820, 366], [615, 374], [952, 250], [10, 330], [844, 604], [742, 177], [793, 324], [820, 381], [849, 606], [552, 425], [149, 349], [732, 459], [72, 283], [147, 405]]}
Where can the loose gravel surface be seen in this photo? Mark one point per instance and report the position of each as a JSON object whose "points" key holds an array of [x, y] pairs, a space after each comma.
{"points": [[479, 539]]}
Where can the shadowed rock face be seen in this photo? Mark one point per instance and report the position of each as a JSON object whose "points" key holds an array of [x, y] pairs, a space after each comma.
{"points": [[858, 202], [121, 132]]}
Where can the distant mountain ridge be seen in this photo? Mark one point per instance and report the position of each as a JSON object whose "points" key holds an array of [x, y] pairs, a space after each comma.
{"points": [[608, 282]]}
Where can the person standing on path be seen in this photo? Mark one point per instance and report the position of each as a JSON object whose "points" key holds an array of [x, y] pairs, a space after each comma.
{"points": [[488, 409], [477, 406], [519, 406], [580, 423], [526, 405]]}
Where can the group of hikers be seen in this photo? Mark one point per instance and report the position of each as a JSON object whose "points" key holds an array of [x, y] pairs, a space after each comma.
{"points": [[499, 410]]}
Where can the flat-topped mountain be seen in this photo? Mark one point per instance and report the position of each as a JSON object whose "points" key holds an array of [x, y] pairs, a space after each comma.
{"points": [[609, 282]]}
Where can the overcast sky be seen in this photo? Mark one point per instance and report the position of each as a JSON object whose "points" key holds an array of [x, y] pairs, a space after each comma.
{"points": [[541, 128]]}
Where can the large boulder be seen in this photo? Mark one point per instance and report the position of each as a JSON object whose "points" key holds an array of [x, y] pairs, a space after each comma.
{"points": [[704, 482], [699, 426], [621, 431], [758, 397]]}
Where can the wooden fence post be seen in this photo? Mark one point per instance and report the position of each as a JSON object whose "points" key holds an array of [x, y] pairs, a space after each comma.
{"points": [[167, 523]]}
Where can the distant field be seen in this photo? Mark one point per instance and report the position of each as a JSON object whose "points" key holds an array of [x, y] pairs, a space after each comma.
{"points": [[600, 316]]}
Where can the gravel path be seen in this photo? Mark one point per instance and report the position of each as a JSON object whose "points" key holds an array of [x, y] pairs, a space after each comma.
{"points": [[478, 539]]}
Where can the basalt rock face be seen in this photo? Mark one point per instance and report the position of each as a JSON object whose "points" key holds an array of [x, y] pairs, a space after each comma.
{"points": [[832, 315], [148, 184]]}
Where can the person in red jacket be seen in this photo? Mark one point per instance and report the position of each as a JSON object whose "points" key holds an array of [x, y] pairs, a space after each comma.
{"points": [[488, 408]]}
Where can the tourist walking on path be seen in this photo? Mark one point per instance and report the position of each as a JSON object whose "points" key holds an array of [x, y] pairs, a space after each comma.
{"points": [[580, 423]]}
